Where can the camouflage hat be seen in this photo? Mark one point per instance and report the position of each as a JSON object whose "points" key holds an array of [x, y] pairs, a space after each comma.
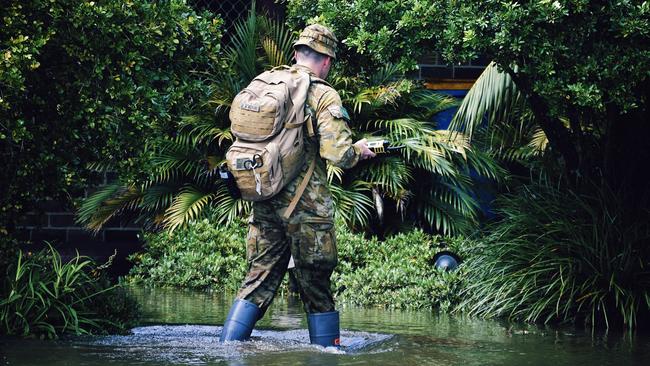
{"points": [[319, 38]]}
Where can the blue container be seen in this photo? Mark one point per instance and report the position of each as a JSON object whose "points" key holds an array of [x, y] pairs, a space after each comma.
{"points": [[324, 329], [240, 322]]}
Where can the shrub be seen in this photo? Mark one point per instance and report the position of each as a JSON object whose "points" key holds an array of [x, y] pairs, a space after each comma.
{"points": [[397, 272], [43, 296], [394, 273], [89, 82], [202, 255], [557, 256], [387, 32]]}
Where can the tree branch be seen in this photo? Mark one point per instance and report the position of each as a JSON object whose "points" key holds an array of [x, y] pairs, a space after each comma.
{"points": [[558, 135]]}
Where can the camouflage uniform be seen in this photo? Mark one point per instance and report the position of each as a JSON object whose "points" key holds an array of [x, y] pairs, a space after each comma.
{"points": [[308, 234]]}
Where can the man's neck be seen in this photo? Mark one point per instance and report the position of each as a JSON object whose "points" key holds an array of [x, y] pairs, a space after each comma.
{"points": [[307, 68]]}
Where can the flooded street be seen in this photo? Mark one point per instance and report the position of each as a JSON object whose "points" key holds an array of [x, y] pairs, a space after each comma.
{"points": [[183, 327]]}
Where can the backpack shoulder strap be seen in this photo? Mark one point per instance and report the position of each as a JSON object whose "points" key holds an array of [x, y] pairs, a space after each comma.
{"points": [[300, 190], [306, 83]]}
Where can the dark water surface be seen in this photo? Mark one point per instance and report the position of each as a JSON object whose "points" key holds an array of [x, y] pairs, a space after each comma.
{"points": [[183, 327]]}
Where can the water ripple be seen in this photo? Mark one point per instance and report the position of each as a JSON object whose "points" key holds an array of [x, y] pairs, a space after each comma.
{"points": [[199, 344]]}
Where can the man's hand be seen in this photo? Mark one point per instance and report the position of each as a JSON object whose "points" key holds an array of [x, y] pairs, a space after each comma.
{"points": [[366, 153]]}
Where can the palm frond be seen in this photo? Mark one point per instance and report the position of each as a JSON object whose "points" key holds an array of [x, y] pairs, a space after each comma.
{"points": [[106, 203], [495, 95], [352, 202], [334, 172], [223, 93], [227, 209], [539, 141], [392, 174], [277, 43], [402, 128], [438, 214], [101, 166], [174, 159], [371, 99], [459, 195], [388, 73], [423, 155], [197, 130], [430, 102], [158, 197], [243, 51], [186, 206]]}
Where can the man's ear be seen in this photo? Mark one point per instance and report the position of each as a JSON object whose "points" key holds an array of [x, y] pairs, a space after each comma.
{"points": [[327, 62]]}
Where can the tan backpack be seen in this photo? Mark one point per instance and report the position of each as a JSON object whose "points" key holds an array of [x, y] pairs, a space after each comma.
{"points": [[267, 118]]}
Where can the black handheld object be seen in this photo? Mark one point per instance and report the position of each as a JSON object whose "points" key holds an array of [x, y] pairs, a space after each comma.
{"points": [[229, 180], [383, 147]]}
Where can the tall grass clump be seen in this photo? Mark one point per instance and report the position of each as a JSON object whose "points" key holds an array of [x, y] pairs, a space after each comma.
{"points": [[558, 256], [43, 296]]}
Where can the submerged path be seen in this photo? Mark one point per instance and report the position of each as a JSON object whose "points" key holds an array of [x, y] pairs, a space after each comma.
{"points": [[183, 328]]}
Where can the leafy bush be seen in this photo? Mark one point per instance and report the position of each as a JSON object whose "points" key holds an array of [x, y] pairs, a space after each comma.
{"points": [[557, 256], [43, 296], [374, 33], [201, 255], [397, 272], [394, 273], [90, 82]]}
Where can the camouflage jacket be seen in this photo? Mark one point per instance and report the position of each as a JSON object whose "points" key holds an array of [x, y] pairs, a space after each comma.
{"points": [[332, 142]]}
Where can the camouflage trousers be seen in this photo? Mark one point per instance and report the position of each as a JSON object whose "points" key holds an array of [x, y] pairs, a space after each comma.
{"points": [[272, 241]]}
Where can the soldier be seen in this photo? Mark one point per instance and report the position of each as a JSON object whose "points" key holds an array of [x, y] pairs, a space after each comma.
{"points": [[308, 234]]}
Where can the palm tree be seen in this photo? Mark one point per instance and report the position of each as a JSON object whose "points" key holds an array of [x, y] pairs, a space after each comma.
{"points": [[426, 184], [499, 115]]}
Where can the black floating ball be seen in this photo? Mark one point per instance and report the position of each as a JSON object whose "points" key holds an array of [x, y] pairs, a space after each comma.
{"points": [[446, 260]]}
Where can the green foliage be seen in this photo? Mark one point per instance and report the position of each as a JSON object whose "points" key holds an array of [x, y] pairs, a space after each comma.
{"points": [[427, 184], [397, 272], [558, 256], [497, 117], [83, 83], [44, 296], [373, 33], [201, 255], [554, 44], [582, 67], [182, 180], [575, 53]]}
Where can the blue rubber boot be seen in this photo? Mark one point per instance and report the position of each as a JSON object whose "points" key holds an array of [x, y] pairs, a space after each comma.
{"points": [[240, 322], [324, 329]]}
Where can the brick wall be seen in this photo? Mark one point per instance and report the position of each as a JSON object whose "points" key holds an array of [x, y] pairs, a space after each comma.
{"points": [[58, 225], [54, 223]]}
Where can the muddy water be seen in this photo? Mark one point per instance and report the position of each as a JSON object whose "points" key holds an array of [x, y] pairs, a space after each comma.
{"points": [[182, 328]]}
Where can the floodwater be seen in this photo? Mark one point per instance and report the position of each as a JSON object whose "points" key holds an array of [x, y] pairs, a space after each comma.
{"points": [[183, 327]]}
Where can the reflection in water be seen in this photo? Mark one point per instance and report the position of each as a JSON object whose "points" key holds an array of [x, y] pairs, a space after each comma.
{"points": [[183, 327]]}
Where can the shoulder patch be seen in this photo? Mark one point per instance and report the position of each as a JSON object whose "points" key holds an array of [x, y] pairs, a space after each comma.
{"points": [[338, 111]]}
